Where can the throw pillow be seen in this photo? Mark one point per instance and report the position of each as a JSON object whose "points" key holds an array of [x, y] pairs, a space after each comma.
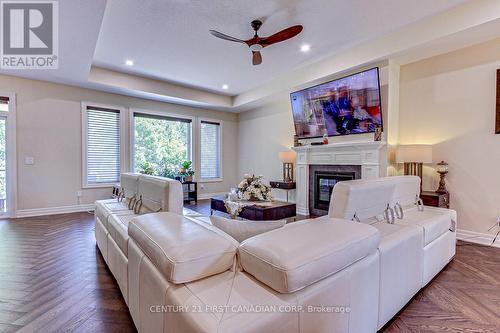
{"points": [[241, 230]]}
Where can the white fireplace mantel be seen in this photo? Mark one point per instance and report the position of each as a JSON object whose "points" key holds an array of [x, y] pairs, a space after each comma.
{"points": [[370, 155]]}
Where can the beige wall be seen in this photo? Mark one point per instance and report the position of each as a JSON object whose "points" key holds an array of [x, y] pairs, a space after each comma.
{"points": [[49, 129], [449, 101]]}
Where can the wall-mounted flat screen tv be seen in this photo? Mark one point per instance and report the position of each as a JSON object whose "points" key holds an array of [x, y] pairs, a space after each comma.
{"points": [[349, 105]]}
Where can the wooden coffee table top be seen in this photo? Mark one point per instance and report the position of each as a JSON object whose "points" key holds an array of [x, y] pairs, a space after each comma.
{"points": [[260, 204], [260, 210]]}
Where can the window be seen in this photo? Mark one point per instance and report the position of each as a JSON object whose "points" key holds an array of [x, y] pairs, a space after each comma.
{"points": [[102, 146], [210, 150], [4, 109], [161, 143]]}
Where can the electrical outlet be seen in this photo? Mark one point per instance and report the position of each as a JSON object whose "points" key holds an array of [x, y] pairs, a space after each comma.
{"points": [[202, 186], [79, 194]]}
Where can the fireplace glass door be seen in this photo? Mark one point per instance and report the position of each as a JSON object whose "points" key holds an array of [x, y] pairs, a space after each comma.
{"points": [[324, 183]]}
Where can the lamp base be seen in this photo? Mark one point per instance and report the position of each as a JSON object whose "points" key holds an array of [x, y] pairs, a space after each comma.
{"points": [[442, 185], [414, 169], [288, 172]]}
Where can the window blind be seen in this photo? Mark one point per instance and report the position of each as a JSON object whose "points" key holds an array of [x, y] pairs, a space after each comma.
{"points": [[103, 145], [210, 150], [4, 103]]}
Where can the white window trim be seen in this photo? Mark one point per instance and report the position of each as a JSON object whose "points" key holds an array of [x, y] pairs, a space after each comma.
{"points": [[123, 124], [221, 150], [11, 155], [133, 111]]}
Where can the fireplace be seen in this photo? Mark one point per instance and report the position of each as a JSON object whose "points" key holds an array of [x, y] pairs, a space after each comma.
{"points": [[322, 179]]}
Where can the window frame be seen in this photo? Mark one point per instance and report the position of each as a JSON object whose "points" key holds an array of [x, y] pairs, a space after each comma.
{"points": [[123, 125], [221, 150], [134, 111], [11, 154]]}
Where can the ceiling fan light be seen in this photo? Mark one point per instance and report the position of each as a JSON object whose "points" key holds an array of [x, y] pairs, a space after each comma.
{"points": [[256, 47]]}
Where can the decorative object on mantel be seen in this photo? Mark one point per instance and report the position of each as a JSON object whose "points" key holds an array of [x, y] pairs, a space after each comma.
{"points": [[317, 143], [413, 157], [325, 139], [497, 121], [442, 169], [377, 135], [296, 142], [287, 158], [251, 188]]}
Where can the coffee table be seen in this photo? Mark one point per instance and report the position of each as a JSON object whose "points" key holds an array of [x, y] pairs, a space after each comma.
{"points": [[275, 210]]}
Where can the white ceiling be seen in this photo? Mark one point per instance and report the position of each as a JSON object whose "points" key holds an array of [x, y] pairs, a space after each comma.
{"points": [[79, 26], [169, 40]]}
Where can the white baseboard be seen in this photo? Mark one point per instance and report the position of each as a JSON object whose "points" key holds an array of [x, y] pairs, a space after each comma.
{"points": [[54, 210], [203, 196], [477, 237]]}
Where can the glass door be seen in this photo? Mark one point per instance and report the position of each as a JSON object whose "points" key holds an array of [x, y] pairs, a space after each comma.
{"points": [[3, 166]]}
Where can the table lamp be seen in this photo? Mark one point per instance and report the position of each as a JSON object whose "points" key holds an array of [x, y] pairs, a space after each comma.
{"points": [[287, 158], [413, 157]]}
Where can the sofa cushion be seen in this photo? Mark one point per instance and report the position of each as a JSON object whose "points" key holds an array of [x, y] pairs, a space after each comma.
{"points": [[360, 198], [301, 253], [160, 194], [241, 230], [118, 229], [129, 184], [434, 222], [182, 249], [104, 208], [406, 191]]}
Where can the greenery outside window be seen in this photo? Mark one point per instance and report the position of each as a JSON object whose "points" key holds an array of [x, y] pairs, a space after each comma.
{"points": [[161, 143]]}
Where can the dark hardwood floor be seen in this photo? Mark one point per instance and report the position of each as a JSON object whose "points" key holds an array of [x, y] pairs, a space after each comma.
{"points": [[53, 278]]}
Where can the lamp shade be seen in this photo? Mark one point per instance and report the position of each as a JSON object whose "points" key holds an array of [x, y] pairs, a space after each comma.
{"points": [[414, 153], [286, 156]]}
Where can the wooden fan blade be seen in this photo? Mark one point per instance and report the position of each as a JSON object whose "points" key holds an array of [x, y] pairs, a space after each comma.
{"points": [[226, 37], [256, 58], [281, 36]]}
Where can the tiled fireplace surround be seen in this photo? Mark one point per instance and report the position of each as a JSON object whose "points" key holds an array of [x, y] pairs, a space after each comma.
{"points": [[367, 159]]}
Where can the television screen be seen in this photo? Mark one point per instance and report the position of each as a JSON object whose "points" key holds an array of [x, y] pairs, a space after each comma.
{"points": [[349, 105]]}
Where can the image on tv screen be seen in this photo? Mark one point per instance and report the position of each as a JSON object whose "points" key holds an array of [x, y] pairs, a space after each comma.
{"points": [[349, 105]]}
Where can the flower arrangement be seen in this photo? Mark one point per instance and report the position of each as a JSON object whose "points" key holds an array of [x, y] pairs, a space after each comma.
{"points": [[252, 188]]}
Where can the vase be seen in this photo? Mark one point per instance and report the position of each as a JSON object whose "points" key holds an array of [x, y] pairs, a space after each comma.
{"points": [[188, 179]]}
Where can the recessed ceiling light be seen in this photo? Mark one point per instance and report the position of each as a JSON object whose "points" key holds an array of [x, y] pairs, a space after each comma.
{"points": [[225, 87], [129, 62], [305, 47]]}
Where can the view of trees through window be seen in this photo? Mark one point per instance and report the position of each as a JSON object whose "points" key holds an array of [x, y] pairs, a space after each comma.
{"points": [[161, 144]]}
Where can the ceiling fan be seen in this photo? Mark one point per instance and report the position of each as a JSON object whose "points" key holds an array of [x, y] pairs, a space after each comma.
{"points": [[257, 43]]}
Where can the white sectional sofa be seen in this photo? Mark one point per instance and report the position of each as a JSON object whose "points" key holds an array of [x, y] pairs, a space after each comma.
{"points": [[330, 274], [139, 195]]}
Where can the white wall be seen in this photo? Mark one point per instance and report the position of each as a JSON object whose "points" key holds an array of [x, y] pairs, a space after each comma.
{"points": [[49, 129], [449, 101], [262, 134]]}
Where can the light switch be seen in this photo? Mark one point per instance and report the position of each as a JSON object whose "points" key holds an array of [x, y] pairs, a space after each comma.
{"points": [[29, 160]]}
